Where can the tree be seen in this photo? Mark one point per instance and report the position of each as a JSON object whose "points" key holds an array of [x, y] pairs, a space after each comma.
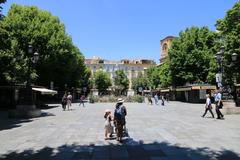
{"points": [[140, 82], [165, 75], [192, 56], [229, 28], [102, 81], [60, 61], [121, 82], [153, 76]]}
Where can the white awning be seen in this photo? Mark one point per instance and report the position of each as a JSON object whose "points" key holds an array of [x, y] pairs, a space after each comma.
{"points": [[165, 90], [45, 91], [183, 89]]}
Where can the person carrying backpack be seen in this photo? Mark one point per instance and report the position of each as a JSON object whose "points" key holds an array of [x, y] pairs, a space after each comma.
{"points": [[119, 118]]}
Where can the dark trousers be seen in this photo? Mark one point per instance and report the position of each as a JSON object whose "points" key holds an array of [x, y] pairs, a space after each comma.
{"points": [[81, 102], [210, 110], [219, 114]]}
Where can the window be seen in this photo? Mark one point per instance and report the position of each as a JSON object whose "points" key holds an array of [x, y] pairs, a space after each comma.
{"points": [[165, 47]]}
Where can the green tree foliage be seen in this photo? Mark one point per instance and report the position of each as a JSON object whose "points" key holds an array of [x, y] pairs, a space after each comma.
{"points": [[229, 28], [121, 82], [60, 61], [192, 56], [154, 76], [159, 76], [165, 75], [141, 81], [102, 81]]}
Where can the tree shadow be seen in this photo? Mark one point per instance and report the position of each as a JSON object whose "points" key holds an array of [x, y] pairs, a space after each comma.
{"points": [[10, 123], [128, 150], [48, 106]]}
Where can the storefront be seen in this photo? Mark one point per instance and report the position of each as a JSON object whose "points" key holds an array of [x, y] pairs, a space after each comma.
{"points": [[192, 94]]}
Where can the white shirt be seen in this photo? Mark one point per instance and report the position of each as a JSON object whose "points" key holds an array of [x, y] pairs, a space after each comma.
{"points": [[208, 101], [218, 97]]}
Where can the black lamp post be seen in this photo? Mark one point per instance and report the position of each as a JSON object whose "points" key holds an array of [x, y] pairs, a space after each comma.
{"points": [[219, 58], [32, 59], [234, 57], [220, 61], [26, 108]]}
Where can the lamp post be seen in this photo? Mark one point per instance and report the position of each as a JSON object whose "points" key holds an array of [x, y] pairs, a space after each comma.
{"points": [[219, 59], [84, 90], [32, 59], [234, 57], [26, 108]]}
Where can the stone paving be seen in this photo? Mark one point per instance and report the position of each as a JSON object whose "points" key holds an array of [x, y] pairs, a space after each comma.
{"points": [[172, 132]]}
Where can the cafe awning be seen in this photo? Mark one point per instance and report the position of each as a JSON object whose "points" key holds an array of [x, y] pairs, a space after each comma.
{"points": [[45, 91], [208, 87], [184, 89], [165, 90]]}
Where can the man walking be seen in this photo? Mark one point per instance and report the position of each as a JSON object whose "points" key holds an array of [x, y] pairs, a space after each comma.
{"points": [[156, 99], [218, 103]]}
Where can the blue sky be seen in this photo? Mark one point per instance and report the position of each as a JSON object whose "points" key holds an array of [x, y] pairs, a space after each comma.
{"points": [[119, 29]]}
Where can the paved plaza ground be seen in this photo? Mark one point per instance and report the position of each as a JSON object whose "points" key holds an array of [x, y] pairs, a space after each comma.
{"points": [[173, 132]]}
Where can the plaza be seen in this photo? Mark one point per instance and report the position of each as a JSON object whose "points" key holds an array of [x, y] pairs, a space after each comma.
{"points": [[171, 132]]}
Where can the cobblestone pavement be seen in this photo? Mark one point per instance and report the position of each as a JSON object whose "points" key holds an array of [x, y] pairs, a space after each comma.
{"points": [[172, 132]]}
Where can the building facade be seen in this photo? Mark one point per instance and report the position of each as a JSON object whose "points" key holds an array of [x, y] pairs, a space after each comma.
{"points": [[165, 44], [132, 68]]}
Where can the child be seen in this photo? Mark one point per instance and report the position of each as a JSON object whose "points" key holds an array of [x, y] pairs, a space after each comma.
{"points": [[108, 125]]}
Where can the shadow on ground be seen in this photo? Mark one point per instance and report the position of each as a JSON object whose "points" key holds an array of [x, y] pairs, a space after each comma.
{"points": [[128, 150], [9, 123]]}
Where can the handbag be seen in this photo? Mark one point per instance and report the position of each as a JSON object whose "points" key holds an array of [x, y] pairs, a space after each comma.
{"points": [[221, 104]]}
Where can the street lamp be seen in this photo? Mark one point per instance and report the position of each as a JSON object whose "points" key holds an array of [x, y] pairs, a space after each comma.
{"points": [[234, 57], [84, 90], [32, 59], [26, 108], [219, 59]]}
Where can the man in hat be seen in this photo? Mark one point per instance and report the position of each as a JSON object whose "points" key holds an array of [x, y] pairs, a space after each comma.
{"points": [[119, 118]]}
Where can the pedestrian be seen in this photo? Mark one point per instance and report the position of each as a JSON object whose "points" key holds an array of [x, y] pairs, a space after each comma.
{"points": [[149, 97], [167, 97], [208, 106], [108, 124], [156, 99], [64, 101], [162, 98], [119, 118], [69, 100], [218, 104], [82, 100]]}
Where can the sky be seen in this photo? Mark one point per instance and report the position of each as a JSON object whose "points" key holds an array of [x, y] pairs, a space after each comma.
{"points": [[128, 29]]}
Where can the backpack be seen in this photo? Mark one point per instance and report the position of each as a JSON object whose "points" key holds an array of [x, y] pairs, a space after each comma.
{"points": [[119, 113]]}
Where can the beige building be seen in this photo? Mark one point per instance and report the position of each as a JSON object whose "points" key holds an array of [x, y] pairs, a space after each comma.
{"points": [[165, 44], [131, 67]]}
